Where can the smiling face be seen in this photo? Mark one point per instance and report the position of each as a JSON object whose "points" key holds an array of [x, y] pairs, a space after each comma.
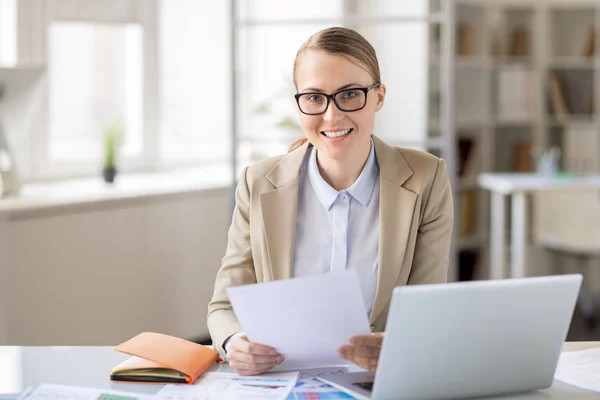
{"points": [[338, 135]]}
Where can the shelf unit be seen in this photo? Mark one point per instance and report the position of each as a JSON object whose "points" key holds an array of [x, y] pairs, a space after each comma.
{"points": [[427, 120], [506, 83]]}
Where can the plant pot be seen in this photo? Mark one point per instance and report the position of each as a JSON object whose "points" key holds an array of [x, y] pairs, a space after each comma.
{"points": [[109, 174]]}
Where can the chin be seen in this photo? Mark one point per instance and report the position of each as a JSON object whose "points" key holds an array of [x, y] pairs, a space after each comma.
{"points": [[337, 154]]}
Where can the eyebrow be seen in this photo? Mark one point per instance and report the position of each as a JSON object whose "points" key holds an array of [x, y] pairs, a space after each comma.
{"points": [[337, 90]]}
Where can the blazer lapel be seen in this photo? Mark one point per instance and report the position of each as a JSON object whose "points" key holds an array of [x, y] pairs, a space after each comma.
{"points": [[396, 211], [278, 208]]}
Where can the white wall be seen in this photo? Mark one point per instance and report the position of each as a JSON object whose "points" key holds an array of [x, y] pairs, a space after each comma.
{"points": [[98, 275]]}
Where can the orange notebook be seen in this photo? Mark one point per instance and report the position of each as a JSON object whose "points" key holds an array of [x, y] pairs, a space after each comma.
{"points": [[162, 359]]}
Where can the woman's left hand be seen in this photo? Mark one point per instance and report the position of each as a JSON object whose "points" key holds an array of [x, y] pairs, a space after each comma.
{"points": [[363, 350]]}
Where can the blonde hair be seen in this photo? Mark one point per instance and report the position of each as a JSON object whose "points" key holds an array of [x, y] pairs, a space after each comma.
{"points": [[344, 41]]}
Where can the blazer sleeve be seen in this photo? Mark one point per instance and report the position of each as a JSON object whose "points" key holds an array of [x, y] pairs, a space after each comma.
{"points": [[237, 268], [432, 247]]}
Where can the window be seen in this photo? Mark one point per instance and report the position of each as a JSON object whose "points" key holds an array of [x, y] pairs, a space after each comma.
{"points": [[161, 67], [8, 33], [195, 81], [95, 77]]}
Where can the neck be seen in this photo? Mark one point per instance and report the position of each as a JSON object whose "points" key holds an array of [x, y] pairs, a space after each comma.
{"points": [[341, 174]]}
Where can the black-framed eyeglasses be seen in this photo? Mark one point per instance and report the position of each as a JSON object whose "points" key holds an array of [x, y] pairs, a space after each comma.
{"points": [[347, 100]]}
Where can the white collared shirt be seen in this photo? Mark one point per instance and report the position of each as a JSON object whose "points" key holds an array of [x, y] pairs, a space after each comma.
{"points": [[338, 230]]}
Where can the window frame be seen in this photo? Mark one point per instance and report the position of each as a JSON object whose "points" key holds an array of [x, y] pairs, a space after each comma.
{"points": [[33, 20]]}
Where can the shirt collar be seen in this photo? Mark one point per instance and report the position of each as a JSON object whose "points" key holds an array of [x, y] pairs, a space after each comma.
{"points": [[361, 190]]}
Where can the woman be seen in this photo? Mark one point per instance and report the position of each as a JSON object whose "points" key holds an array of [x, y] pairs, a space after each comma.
{"points": [[340, 199]]}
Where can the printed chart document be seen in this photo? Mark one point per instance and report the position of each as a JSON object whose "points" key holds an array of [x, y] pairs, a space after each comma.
{"points": [[580, 368], [309, 387], [231, 386], [306, 319], [61, 392], [215, 385]]}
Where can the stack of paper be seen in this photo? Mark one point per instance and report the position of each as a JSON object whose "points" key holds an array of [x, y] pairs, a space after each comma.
{"points": [[580, 368], [305, 319]]}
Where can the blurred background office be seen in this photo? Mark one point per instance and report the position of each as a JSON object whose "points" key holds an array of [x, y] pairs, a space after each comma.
{"points": [[124, 125]]}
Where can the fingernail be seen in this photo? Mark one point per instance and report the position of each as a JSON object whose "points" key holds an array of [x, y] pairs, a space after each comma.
{"points": [[279, 359], [273, 352]]}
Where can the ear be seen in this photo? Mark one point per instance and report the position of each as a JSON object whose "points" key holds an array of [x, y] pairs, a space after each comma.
{"points": [[380, 97]]}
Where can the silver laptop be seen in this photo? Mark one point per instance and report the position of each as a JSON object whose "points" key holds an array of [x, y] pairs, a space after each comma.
{"points": [[469, 339]]}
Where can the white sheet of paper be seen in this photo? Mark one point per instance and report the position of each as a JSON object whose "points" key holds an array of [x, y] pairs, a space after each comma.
{"points": [[306, 319], [580, 368], [231, 386]]}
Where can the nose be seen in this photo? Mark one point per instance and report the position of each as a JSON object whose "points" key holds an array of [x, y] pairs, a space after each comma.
{"points": [[332, 113]]}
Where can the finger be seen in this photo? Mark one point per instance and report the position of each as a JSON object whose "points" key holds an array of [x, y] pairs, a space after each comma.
{"points": [[360, 351], [241, 365], [369, 364], [246, 370], [237, 355], [374, 339], [245, 346]]}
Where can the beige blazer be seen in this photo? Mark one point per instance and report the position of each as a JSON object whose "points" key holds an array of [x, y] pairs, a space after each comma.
{"points": [[416, 216]]}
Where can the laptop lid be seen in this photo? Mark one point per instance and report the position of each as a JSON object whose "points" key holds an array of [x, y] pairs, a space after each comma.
{"points": [[475, 338]]}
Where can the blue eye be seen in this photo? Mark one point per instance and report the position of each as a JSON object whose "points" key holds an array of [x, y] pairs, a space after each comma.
{"points": [[315, 98], [349, 94]]}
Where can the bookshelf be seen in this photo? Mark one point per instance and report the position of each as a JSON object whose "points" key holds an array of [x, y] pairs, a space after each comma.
{"points": [[527, 73]]}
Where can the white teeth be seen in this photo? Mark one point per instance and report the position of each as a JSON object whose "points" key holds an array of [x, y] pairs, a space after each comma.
{"points": [[337, 133]]}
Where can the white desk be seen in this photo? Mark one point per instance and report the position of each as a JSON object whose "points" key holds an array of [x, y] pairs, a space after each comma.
{"points": [[21, 367], [519, 185]]}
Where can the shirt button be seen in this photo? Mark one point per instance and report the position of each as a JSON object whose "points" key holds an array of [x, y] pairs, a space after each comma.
{"points": [[343, 196]]}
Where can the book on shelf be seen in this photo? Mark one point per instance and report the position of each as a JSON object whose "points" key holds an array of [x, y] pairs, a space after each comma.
{"points": [[557, 97], [468, 219], [465, 40], [468, 157], [571, 92], [580, 150], [519, 42], [468, 261], [522, 157], [589, 48], [516, 94]]}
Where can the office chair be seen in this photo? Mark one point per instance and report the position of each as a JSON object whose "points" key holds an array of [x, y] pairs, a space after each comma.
{"points": [[568, 224]]}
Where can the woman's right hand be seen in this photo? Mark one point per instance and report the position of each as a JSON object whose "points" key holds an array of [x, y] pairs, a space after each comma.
{"points": [[248, 358]]}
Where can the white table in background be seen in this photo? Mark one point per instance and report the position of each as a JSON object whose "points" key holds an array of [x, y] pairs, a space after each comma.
{"points": [[518, 186]]}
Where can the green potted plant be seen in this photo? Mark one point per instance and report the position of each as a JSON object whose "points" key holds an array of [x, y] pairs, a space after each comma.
{"points": [[111, 143]]}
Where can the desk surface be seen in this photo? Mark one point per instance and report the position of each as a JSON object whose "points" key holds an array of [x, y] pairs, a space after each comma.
{"points": [[508, 183], [21, 367]]}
